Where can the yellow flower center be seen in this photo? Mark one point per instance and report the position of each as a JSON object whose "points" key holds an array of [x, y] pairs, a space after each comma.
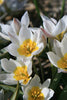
{"points": [[27, 48], [60, 36], [21, 73], [35, 94], [62, 63], [1, 2]]}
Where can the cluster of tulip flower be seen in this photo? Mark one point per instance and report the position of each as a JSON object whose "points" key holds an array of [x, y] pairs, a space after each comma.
{"points": [[27, 42]]}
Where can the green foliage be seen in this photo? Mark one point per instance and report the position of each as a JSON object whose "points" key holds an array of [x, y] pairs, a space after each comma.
{"points": [[3, 43], [15, 95]]}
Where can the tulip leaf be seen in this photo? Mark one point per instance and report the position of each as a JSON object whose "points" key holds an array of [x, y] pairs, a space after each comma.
{"points": [[10, 88], [56, 81], [3, 43], [63, 95], [6, 55]]}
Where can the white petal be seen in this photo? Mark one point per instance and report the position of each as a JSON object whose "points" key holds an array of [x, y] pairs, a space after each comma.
{"points": [[41, 47], [29, 67], [64, 45], [25, 19], [35, 81], [54, 20], [51, 93], [26, 90], [8, 65], [46, 83], [60, 27], [57, 48], [45, 91], [14, 38], [61, 70], [16, 25], [12, 49], [7, 79], [64, 18], [38, 36], [49, 26], [6, 29], [24, 34], [53, 58], [46, 33], [4, 36]]}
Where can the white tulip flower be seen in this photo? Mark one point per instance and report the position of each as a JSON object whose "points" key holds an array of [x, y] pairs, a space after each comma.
{"points": [[59, 57], [16, 71], [14, 27], [36, 91], [54, 29], [27, 44]]}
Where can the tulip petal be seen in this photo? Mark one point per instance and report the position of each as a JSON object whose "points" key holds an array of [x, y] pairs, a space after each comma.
{"points": [[25, 19], [53, 58]]}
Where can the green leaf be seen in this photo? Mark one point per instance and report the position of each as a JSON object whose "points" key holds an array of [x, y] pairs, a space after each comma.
{"points": [[54, 71], [3, 43], [10, 88], [15, 95], [62, 10], [63, 95], [6, 55], [56, 81]]}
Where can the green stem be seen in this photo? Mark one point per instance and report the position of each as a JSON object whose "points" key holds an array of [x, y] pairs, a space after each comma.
{"points": [[50, 48], [54, 71], [10, 88], [63, 7], [34, 68], [37, 9], [41, 68], [15, 95]]}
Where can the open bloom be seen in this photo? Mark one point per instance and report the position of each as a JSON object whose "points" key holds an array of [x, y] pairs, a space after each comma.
{"points": [[27, 44], [54, 29], [17, 71], [59, 58], [14, 27], [37, 91]]}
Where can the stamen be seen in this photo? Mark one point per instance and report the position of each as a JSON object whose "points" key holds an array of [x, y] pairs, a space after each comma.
{"points": [[62, 63], [60, 36], [21, 73], [35, 94], [27, 48]]}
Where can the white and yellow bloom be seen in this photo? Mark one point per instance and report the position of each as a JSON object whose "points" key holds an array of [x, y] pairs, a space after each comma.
{"points": [[27, 44], [17, 71], [37, 91], [59, 58], [52, 28], [14, 27]]}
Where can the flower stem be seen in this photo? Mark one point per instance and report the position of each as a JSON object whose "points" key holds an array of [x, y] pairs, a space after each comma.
{"points": [[63, 7], [41, 68]]}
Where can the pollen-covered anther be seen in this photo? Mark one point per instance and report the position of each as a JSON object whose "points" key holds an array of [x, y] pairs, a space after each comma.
{"points": [[35, 94], [27, 47], [62, 63], [21, 73], [60, 36]]}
